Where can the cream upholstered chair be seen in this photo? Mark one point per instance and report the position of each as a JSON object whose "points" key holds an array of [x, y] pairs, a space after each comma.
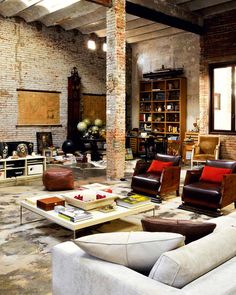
{"points": [[207, 148]]}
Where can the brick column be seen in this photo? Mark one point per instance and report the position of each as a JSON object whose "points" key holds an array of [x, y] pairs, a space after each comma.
{"points": [[116, 62]]}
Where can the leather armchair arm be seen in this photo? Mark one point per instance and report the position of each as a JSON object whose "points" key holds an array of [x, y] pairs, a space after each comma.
{"points": [[192, 176], [141, 167], [170, 179], [228, 189]]}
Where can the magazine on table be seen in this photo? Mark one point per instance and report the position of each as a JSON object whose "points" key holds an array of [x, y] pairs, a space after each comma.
{"points": [[133, 201], [74, 214]]}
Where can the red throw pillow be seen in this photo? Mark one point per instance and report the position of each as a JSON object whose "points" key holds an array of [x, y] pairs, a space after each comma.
{"points": [[157, 166], [214, 174]]}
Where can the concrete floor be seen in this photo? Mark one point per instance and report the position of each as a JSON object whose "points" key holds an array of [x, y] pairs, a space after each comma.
{"points": [[25, 250]]}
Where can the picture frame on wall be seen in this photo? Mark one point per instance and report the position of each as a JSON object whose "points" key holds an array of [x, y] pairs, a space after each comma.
{"points": [[44, 141]]}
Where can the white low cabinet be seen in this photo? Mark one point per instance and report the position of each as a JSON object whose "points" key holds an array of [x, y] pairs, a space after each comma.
{"points": [[21, 168]]}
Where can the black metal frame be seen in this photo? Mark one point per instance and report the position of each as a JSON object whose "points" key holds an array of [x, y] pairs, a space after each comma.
{"points": [[211, 110]]}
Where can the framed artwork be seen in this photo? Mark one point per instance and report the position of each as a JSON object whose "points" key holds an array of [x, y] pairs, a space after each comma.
{"points": [[44, 141], [37, 107], [94, 106]]}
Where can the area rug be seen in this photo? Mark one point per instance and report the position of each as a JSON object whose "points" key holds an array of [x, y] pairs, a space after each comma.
{"points": [[25, 250]]}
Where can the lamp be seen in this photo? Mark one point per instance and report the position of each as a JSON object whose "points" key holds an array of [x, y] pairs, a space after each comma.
{"points": [[91, 42], [104, 47]]}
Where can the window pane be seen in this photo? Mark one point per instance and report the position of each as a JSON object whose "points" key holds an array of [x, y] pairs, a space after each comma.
{"points": [[222, 98]]}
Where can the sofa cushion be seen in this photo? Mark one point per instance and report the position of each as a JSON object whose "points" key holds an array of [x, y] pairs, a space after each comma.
{"points": [[192, 230], [137, 250], [146, 183], [202, 194], [214, 174], [220, 280], [223, 222], [157, 166], [179, 267]]}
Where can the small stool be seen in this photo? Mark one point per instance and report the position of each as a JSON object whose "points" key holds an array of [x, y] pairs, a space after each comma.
{"points": [[56, 179]]}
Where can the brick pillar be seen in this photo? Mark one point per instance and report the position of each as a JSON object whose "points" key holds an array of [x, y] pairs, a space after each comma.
{"points": [[116, 62]]}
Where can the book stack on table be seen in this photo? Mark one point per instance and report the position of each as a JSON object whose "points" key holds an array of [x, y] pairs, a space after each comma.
{"points": [[74, 214], [133, 201]]}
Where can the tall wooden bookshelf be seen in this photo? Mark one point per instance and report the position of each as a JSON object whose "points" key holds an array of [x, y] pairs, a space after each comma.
{"points": [[162, 107]]}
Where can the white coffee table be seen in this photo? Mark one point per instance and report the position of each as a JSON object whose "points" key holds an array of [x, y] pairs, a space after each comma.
{"points": [[98, 216]]}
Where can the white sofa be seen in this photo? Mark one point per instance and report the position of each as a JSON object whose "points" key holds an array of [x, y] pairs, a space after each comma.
{"points": [[212, 263]]}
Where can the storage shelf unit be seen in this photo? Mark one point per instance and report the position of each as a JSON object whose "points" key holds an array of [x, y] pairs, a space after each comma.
{"points": [[162, 107], [21, 168]]}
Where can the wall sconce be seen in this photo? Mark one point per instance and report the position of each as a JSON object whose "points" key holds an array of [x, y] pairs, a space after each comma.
{"points": [[104, 47], [91, 44]]}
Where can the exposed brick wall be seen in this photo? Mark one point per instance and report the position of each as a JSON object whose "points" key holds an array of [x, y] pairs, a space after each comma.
{"points": [[116, 66], [218, 44], [35, 57]]}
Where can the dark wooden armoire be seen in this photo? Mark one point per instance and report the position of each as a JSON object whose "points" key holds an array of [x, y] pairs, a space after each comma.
{"points": [[73, 106]]}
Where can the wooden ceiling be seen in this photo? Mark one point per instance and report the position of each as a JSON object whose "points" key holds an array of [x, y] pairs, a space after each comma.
{"points": [[145, 19]]}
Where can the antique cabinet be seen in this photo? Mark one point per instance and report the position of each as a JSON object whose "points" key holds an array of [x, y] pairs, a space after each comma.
{"points": [[73, 106]]}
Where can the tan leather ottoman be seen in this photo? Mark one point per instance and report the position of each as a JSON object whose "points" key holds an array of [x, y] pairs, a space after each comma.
{"points": [[56, 179]]}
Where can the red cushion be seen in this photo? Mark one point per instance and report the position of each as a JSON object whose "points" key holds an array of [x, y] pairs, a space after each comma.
{"points": [[157, 166], [214, 174]]}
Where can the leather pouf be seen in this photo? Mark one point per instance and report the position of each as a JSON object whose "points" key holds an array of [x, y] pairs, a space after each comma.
{"points": [[56, 179]]}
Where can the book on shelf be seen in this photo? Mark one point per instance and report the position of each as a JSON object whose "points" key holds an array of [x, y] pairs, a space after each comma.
{"points": [[128, 154], [133, 201], [74, 214]]}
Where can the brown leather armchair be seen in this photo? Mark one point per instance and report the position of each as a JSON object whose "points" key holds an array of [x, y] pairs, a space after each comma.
{"points": [[207, 148], [157, 185], [209, 197]]}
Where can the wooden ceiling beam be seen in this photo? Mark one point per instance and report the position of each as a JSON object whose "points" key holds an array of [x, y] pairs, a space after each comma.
{"points": [[166, 14], [88, 18], [145, 29], [99, 27], [224, 7], [182, 1], [201, 4], [155, 35], [106, 3], [130, 25], [93, 27], [11, 8], [78, 9], [137, 23]]}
